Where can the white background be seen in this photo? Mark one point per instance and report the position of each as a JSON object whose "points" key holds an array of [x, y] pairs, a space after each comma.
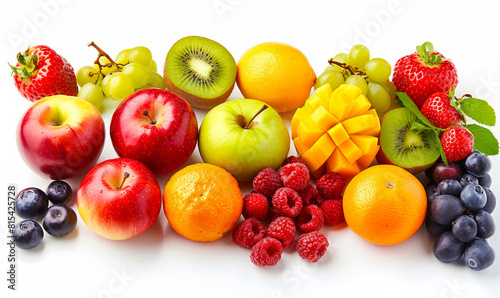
{"points": [[160, 261]]}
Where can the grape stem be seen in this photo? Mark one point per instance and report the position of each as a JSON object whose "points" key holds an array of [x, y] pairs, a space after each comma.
{"points": [[101, 54], [351, 69]]}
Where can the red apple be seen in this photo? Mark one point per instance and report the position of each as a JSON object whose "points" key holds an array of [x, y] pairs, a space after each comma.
{"points": [[155, 127], [119, 198], [60, 136]]}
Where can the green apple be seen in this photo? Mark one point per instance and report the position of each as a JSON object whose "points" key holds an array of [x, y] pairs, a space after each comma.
{"points": [[244, 136]]}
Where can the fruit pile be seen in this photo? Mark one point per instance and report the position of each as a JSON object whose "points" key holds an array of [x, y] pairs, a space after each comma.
{"points": [[290, 203], [460, 206], [32, 204], [370, 75], [132, 69]]}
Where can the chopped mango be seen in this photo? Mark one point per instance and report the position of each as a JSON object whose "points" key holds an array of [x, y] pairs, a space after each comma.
{"points": [[367, 144], [350, 151], [317, 155], [309, 132], [300, 113], [314, 102], [339, 164], [375, 130], [324, 92], [299, 146], [323, 118], [366, 160], [338, 134], [360, 106], [359, 124]]}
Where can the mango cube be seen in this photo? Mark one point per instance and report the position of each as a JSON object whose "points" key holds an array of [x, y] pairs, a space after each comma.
{"points": [[317, 155], [324, 92], [359, 124], [350, 151], [338, 134], [309, 132], [323, 118]]}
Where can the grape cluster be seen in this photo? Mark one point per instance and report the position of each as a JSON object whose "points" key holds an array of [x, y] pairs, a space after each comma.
{"points": [[132, 69], [371, 75], [460, 206]]}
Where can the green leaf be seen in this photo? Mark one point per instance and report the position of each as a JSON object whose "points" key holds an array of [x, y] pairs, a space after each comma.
{"points": [[479, 110], [410, 105], [441, 150], [484, 140], [419, 126]]}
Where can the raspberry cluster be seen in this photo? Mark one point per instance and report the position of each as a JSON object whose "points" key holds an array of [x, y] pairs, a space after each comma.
{"points": [[289, 204]]}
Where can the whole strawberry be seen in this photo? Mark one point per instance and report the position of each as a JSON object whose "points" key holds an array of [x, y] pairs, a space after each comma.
{"points": [[438, 110], [457, 143], [41, 72], [423, 73]]}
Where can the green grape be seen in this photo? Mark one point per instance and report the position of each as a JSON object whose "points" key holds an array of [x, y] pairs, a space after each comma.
{"points": [[153, 66], [378, 69], [122, 57], [334, 67], [118, 86], [379, 98], [332, 77], [341, 57], [358, 56], [138, 73], [107, 67], [359, 81], [104, 86], [140, 55], [92, 93], [157, 81], [84, 75], [390, 88]]}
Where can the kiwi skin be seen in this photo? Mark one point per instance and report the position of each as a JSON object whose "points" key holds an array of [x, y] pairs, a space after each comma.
{"points": [[193, 100]]}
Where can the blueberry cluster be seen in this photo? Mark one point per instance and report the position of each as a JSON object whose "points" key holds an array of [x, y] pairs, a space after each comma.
{"points": [[33, 203], [460, 206]]}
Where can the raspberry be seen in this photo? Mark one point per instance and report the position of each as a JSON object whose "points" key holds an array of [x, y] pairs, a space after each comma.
{"points": [[267, 182], [282, 229], [312, 246], [330, 186], [267, 252], [287, 202], [308, 194], [310, 219], [249, 232], [295, 176], [317, 200], [255, 205], [273, 213], [332, 212], [293, 159]]}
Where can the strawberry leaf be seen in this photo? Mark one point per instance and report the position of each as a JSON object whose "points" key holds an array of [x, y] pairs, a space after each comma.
{"points": [[484, 140], [478, 110], [441, 150], [410, 105]]}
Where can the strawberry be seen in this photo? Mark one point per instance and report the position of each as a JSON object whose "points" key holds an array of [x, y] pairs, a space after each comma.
{"points": [[423, 73], [41, 72], [457, 143], [438, 110]]}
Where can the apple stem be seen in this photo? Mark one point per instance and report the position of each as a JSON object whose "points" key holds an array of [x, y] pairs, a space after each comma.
{"points": [[264, 107], [146, 113], [125, 176]]}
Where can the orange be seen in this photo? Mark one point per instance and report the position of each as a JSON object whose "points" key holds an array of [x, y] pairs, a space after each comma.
{"points": [[277, 74], [202, 202], [384, 204]]}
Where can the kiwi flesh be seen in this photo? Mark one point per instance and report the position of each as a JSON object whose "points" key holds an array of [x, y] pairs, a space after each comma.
{"points": [[201, 71], [410, 149]]}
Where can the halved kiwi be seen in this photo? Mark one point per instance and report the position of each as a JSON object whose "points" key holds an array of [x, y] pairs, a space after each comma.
{"points": [[411, 149], [200, 70]]}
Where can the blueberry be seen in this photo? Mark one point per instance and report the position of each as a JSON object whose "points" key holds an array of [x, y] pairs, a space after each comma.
{"points": [[445, 209], [449, 187], [467, 179], [31, 203], [59, 192], [491, 201], [441, 171], [478, 164], [59, 220], [447, 248], [473, 197], [479, 255], [27, 234], [464, 228], [485, 224], [434, 228], [485, 181]]}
